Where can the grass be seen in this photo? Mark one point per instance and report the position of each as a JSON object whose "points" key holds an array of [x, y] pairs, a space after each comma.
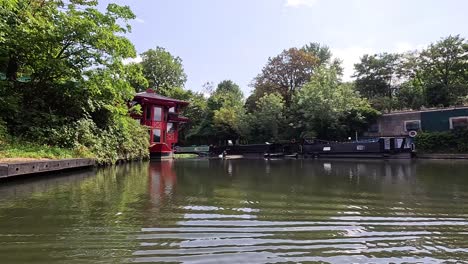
{"points": [[17, 149], [185, 156]]}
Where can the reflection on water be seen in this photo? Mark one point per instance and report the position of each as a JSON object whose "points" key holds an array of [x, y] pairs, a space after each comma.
{"points": [[241, 211]]}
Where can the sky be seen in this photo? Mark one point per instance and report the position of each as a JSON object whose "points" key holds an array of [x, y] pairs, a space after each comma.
{"points": [[233, 39]]}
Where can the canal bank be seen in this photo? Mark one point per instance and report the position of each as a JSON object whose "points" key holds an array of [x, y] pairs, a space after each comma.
{"points": [[21, 168]]}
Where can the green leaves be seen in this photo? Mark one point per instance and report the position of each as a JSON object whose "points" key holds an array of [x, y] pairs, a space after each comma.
{"points": [[73, 53], [435, 76], [444, 71], [222, 119], [162, 70], [330, 109], [286, 73], [265, 122]]}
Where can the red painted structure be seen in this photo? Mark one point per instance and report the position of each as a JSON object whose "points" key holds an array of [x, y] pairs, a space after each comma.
{"points": [[161, 116]]}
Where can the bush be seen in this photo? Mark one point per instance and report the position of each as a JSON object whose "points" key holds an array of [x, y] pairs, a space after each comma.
{"points": [[124, 139], [3, 131], [455, 141]]}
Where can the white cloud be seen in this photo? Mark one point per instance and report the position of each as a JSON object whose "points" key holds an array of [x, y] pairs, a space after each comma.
{"points": [[299, 3], [402, 47], [139, 20], [138, 59], [349, 57]]}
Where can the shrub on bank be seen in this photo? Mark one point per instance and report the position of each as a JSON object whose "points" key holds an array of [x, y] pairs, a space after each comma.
{"points": [[124, 139], [455, 141], [3, 131]]}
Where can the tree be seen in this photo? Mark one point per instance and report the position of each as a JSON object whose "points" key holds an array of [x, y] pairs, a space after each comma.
{"points": [[162, 70], [376, 74], [444, 71], [135, 76], [324, 55], [265, 123], [55, 45], [285, 73], [329, 109], [224, 114], [63, 64]]}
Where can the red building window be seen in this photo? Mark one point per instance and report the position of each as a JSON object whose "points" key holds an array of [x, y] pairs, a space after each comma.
{"points": [[170, 128], [156, 135], [148, 113], [157, 115]]}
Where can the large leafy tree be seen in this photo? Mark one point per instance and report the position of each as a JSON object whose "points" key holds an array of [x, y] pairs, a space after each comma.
{"points": [[329, 109], [435, 76], [63, 63], [324, 56], [265, 123], [443, 70], [284, 74], [163, 70], [223, 117], [376, 75]]}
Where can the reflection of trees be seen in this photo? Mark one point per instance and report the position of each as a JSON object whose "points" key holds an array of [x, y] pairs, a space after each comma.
{"points": [[24, 187], [320, 190], [87, 217]]}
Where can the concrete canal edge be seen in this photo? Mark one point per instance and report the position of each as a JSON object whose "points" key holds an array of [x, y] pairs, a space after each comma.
{"points": [[41, 166]]}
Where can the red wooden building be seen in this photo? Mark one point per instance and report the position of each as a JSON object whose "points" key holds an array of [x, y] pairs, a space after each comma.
{"points": [[161, 115]]}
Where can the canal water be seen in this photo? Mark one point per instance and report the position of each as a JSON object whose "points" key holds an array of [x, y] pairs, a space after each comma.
{"points": [[240, 211]]}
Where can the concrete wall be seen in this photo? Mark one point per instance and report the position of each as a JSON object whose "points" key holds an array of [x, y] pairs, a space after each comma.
{"points": [[393, 125], [33, 167]]}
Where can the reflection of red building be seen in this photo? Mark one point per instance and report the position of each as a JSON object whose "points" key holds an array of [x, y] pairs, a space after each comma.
{"points": [[161, 115], [163, 180]]}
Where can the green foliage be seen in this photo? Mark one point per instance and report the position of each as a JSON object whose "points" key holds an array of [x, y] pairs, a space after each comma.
{"points": [[284, 74], [23, 149], [124, 139], [375, 73], [410, 96], [330, 109], [162, 70], [223, 115], [265, 122], [3, 131], [455, 141], [323, 53], [435, 76], [78, 87], [443, 71], [185, 156]]}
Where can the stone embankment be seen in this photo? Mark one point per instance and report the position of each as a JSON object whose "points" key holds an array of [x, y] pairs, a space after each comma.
{"points": [[11, 168]]}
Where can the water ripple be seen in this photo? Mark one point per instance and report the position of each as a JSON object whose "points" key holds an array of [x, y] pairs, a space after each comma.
{"points": [[216, 234]]}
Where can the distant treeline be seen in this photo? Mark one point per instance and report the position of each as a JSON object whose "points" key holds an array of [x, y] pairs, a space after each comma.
{"points": [[64, 84], [300, 93]]}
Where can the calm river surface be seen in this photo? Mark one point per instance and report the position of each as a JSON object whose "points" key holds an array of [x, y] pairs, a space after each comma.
{"points": [[240, 211]]}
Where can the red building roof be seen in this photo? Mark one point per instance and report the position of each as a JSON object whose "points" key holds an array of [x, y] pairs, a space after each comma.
{"points": [[150, 95]]}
